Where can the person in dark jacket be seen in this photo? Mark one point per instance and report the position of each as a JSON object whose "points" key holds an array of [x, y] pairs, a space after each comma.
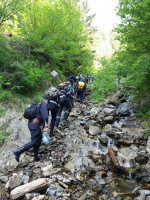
{"points": [[72, 79], [81, 90], [53, 108], [34, 126], [87, 78], [64, 99]]}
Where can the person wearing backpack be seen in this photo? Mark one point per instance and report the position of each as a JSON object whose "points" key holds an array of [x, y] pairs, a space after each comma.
{"points": [[52, 93], [53, 108], [86, 78], [34, 125], [72, 79], [64, 100], [81, 89]]}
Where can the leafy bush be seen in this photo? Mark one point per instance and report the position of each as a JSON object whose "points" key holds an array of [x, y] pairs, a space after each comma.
{"points": [[25, 76], [105, 82], [4, 135], [140, 76]]}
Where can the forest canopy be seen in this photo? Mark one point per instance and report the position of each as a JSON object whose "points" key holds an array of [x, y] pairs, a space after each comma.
{"points": [[38, 36], [130, 62]]}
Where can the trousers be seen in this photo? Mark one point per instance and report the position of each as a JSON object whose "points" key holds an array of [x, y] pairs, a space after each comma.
{"points": [[36, 137]]}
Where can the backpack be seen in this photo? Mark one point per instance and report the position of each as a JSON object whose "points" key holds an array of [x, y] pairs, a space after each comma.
{"points": [[52, 92], [31, 111], [81, 84]]}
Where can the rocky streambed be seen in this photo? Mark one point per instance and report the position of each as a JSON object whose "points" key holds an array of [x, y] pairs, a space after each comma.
{"points": [[100, 153]]}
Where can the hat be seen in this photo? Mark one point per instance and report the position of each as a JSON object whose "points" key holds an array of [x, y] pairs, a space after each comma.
{"points": [[46, 97]]}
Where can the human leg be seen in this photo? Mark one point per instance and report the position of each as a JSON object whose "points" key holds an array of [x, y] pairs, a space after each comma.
{"points": [[58, 115], [53, 120]]}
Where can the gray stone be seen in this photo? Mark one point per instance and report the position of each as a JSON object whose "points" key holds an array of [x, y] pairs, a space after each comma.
{"points": [[109, 111], [109, 119], [148, 145], [4, 179], [13, 182], [125, 109], [29, 196], [25, 179], [94, 130]]}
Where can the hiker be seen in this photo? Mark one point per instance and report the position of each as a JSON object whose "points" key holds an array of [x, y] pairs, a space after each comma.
{"points": [[86, 78], [34, 126], [89, 79], [64, 101], [72, 79], [53, 108], [81, 89], [71, 92], [81, 76]]}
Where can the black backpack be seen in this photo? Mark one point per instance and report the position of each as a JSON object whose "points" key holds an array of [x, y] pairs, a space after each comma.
{"points": [[31, 111]]}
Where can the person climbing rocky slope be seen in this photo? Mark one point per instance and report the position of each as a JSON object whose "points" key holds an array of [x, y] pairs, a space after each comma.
{"points": [[100, 153]]}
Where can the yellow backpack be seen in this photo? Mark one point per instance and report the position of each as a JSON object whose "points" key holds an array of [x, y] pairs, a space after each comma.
{"points": [[81, 84]]}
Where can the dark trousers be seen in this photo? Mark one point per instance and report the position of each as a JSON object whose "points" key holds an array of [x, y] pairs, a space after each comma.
{"points": [[71, 82], [36, 137], [86, 80], [53, 117], [80, 95], [67, 106]]}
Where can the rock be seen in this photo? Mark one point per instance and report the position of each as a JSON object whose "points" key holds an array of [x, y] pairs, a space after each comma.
{"points": [[141, 159], [25, 179], [109, 111], [125, 109], [47, 168], [13, 182], [115, 98], [144, 193], [4, 179], [95, 111], [52, 198], [29, 196], [148, 145], [94, 130], [109, 119], [103, 138], [91, 123], [29, 173], [40, 197]]}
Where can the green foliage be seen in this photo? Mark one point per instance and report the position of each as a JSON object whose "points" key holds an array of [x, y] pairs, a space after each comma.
{"points": [[59, 38], [4, 135], [140, 76], [22, 77], [46, 35], [9, 8], [132, 59], [105, 81], [143, 112], [2, 111]]}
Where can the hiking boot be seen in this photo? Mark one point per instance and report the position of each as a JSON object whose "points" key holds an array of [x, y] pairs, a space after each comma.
{"points": [[36, 157], [18, 152]]}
